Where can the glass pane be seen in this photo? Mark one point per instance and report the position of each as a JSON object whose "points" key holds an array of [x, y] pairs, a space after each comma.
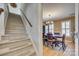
{"points": [[67, 24], [46, 31], [50, 31], [63, 31], [50, 27], [63, 24], [66, 28], [67, 32], [46, 27]]}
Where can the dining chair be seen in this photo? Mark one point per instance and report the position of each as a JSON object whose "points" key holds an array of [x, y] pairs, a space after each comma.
{"points": [[58, 42], [50, 39]]}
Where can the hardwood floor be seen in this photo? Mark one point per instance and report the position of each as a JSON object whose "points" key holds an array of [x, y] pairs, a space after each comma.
{"points": [[52, 52]]}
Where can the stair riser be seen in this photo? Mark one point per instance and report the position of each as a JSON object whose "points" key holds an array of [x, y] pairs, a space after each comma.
{"points": [[10, 50], [13, 38], [16, 25], [13, 45], [25, 51], [17, 28], [11, 41], [15, 32], [13, 35]]}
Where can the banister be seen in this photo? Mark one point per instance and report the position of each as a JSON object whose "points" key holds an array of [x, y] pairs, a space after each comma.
{"points": [[26, 18]]}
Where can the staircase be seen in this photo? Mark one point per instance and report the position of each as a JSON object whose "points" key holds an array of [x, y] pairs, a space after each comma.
{"points": [[16, 42]]}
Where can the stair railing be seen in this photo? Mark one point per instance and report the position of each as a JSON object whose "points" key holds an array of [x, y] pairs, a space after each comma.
{"points": [[28, 28], [26, 18]]}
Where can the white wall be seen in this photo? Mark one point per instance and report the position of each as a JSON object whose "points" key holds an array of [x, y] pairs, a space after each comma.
{"points": [[76, 29], [3, 19], [33, 13]]}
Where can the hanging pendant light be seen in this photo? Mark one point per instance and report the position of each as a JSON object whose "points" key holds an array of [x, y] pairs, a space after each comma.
{"points": [[49, 18]]}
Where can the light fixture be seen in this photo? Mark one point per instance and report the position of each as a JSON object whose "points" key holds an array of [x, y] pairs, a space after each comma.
{"points": [[49, 20], [49, 16]]}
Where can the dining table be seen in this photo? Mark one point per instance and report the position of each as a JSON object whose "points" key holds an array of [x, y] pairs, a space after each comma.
{"points": [[51, 37]]}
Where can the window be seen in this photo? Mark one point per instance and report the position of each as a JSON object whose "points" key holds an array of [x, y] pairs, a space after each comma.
{"points": [[66, 28], [49, 28], [46, 29]]}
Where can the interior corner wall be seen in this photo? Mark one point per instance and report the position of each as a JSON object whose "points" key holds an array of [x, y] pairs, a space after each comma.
{"points": [[73, 28], [57, 26]]}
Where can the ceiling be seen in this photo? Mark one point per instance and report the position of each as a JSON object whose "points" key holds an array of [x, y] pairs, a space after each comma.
{"points": [[57, 10], [15, 10], [18, 7]]}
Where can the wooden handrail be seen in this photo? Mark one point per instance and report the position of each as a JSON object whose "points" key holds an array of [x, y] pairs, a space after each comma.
{"points": [[26, 18]]}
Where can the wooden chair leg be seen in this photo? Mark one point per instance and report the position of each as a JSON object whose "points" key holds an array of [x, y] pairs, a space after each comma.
{"points": [[63, 46]]}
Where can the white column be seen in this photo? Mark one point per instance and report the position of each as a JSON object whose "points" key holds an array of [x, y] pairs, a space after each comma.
{"points": [[76, 29], [40, 30]]}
